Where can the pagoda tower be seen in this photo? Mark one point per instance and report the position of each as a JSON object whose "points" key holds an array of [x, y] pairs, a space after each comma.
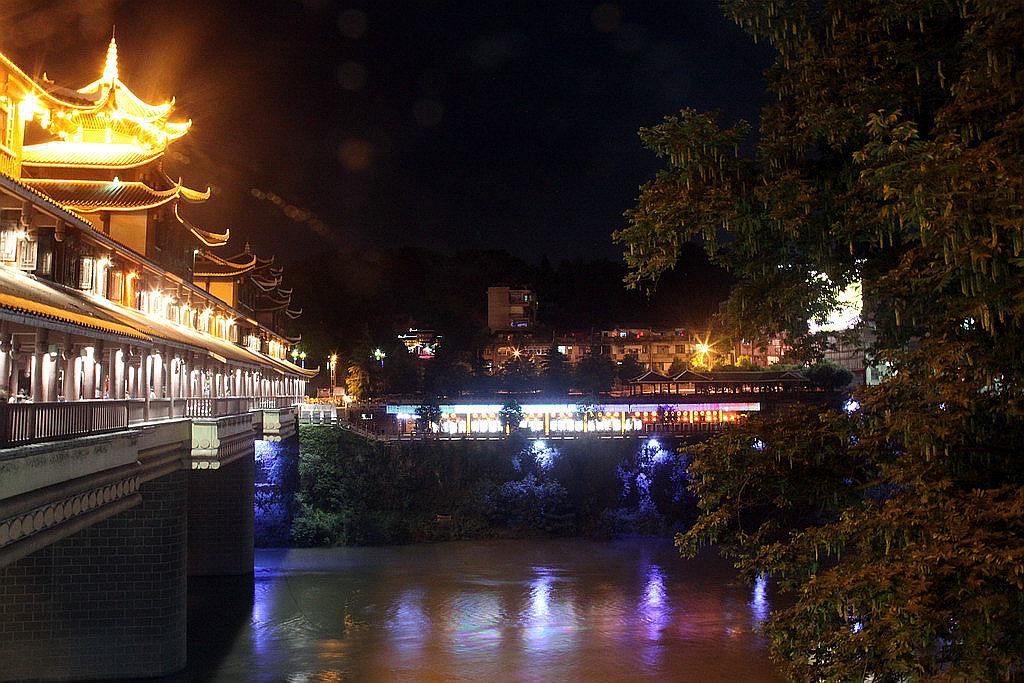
{"points": [[99, 154]]}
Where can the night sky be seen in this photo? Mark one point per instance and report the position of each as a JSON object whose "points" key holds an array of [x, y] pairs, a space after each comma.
{"points": [[447, 124]]}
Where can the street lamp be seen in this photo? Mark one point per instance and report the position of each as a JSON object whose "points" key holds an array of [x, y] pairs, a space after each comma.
{"points": [[380, 356], [332, 363], [302, 358]]}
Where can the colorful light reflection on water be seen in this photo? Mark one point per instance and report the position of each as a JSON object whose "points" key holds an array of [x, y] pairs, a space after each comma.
{"points": [[501, 610]]}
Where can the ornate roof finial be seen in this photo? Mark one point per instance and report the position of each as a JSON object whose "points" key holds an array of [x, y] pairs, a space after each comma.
{"points": [[110, 68]]}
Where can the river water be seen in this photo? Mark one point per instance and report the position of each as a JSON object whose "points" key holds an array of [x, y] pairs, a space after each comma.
{"points": [[522, 610]]}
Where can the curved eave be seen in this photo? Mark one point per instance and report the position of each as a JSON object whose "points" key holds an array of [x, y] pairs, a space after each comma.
{"points": [[108, 93], [230, 262], [229, 269], [89, 205], [265, 285], [293, 314], [195, 195], [185, 191], [210, 239]]}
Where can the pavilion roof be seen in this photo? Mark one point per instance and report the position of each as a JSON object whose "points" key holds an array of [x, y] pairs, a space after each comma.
{"points": [[652, 377], [746, 376], [90, 196], [108, 106], [99, 155], [691, 376]]}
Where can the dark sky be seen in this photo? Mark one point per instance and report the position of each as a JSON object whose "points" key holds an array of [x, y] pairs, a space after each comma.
{"points": [[451, 124]]}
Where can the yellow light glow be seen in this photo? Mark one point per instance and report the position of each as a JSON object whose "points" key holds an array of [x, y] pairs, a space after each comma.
{"points": [[28, 107]]}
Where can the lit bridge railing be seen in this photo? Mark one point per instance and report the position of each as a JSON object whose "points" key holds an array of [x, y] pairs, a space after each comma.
{"points": [[23, 423], [26, 423]]}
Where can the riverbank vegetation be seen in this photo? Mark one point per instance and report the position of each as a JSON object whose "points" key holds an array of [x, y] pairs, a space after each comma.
{"points": [[892, 155], [354, 491]]}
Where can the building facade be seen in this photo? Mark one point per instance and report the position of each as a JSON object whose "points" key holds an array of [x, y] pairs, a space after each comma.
{"points": [[511, 309], [107, 289]]}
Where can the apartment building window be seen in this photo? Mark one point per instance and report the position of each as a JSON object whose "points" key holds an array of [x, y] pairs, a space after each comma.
{"points": [[680, 348], [661, 349]]}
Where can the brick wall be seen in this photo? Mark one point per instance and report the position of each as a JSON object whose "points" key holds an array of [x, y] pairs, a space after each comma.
{"points": [[220, 518], [106, 602]]}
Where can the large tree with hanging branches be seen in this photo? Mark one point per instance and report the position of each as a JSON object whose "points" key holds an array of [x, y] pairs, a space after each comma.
{"points": [[892, 154]]}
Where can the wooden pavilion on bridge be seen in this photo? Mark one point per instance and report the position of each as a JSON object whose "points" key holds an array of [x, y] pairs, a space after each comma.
{"points": [[721, 382]]}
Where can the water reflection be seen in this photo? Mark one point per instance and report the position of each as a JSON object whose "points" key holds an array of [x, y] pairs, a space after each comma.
{"points": [[520, 610], [759, 606]]}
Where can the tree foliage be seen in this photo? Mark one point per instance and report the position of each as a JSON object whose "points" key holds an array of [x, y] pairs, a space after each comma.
{"points": [[428, 413], [892, 156], [510, 415]]}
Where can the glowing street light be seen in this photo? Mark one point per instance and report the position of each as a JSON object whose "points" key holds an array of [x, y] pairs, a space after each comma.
{"points": [[332, 363], [379, 355]]}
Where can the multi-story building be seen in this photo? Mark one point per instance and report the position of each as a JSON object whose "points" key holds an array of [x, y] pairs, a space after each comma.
{"points": [[424, 344], [107, 289], [654, 349], [511, 309], [763, 353]]}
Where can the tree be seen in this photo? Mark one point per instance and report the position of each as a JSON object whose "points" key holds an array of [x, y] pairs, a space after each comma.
{"points": [[555, 372], [357, 381], [594, 374], [679, 365], [630, 368], [518, 373], [445, 374], [891, 156], [510, 415], [428, 413], [829, 375]]}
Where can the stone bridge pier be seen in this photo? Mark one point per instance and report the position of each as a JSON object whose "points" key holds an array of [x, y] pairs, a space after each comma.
{"points": [[99, 534]]}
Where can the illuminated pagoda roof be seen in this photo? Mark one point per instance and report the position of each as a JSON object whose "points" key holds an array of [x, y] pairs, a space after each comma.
{"points": [[210, 239], [98, 155], [89, 196], [213, 266], [107, 111], [261, 262]]}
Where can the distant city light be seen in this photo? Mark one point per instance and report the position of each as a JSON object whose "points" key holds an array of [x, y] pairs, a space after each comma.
{"points": [[847, 312]]}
